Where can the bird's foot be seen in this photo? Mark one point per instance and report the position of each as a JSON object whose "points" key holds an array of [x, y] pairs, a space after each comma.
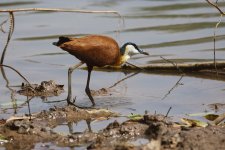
{"points": [[72, 102]]}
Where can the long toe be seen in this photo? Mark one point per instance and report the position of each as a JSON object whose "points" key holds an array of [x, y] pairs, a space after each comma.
{"points": [[80, 107], [71, 103]]}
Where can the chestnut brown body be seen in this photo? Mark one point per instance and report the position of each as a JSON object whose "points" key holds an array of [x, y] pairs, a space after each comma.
{"points": [[94, 50]]}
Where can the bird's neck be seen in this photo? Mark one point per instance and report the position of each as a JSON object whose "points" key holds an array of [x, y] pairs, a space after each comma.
{"points": [[122, 59]]}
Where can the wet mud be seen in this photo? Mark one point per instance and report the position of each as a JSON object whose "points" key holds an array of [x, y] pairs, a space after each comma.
{"points": [[44, 89], [158, 131]]}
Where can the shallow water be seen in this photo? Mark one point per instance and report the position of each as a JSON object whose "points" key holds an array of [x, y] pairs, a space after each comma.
{"points": [[180, 30]]}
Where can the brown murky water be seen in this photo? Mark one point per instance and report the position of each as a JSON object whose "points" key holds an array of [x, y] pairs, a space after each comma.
{"points": [[180, 30]]}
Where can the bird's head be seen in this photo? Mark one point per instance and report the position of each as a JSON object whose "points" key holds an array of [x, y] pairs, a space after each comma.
{"points": [[61, 40], [129, 49]]}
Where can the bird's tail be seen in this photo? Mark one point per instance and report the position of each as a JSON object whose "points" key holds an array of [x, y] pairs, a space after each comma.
{"points": [[62, 40]]}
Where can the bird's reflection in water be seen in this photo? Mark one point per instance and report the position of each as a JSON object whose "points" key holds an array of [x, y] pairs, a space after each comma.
{"points": [[85, 129], [113, 95]]}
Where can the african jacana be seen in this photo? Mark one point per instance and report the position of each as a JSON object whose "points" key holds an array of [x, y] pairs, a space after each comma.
{"points": [[95, 50]]}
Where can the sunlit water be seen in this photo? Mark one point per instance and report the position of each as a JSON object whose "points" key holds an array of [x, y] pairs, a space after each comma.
{"points": [[174, 29]]}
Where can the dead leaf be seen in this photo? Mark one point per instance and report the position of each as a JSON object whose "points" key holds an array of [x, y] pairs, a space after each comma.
{"points": [[211, 117], [102, 113], [194, 123], [3, 139], [12, 118], [135, 117]]}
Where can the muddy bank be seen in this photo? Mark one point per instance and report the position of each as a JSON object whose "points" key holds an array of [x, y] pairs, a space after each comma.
{"points": [[158, 131]]}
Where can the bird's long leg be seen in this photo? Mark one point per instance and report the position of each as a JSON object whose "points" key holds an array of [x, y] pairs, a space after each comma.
{"points": [[87, 90], [70, 70]]}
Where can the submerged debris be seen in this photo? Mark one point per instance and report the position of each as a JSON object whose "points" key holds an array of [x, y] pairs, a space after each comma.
{"points": [[45, 89], [100, 92], [217, 106]]}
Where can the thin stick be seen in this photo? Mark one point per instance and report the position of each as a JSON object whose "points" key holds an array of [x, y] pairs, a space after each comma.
{"points": [[214, 42], [11, 29], [177, 83], [168, 111], [216, 6], [133, 74], [173, 63], [1, 25], [28, 104], [214, 38], [16, 72], [59, 10]]}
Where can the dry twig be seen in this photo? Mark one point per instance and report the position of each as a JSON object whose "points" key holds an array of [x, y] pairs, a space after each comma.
{"points": [[1, 65], [214, 37], [1, 25], [176, 85], [115, 84], [60, 10], [168, 112], [216, 6], [11, 29], [173, 63], [214, 42]]}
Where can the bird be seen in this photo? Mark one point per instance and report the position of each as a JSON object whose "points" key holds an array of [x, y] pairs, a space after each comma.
{"points": [[95, 50]]}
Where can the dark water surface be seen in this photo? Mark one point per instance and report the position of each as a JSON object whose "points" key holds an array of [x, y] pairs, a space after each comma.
{"points": [[177, 29]]}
